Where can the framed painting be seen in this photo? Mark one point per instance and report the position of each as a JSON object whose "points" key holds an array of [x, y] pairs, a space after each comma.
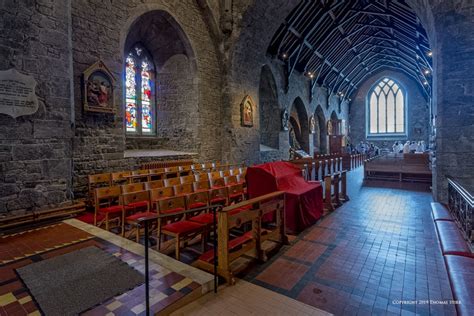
{"points": [[98, 89], [246, 111]]}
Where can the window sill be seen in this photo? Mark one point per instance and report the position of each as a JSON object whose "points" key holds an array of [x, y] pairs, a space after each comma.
{"points": [[387, 137]]}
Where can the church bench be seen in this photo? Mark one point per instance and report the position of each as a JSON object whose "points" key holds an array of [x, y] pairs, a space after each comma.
{"points": [[335, 190], [461, 276], [236, 217], [440, 212]]}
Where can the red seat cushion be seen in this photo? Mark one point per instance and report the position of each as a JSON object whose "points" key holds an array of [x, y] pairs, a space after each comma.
{"points": [[111, 209], [182, 227], [461, 275], [197, 205], [205, 218], [440, 212], [136, 216], [89, 218], [451, 240], [235, 243], [218, 200], [136, 205], [173, 210], [235, 195]]}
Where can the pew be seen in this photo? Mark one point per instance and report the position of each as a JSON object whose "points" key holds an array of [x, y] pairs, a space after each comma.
{"points": [[335, 190], [231, 247]]}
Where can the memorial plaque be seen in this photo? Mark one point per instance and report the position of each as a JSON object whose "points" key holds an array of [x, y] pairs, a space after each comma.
{"points": [[17, 94]]}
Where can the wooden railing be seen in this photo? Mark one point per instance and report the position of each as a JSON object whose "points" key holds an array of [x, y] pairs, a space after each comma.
{"points": [[461, 205]]}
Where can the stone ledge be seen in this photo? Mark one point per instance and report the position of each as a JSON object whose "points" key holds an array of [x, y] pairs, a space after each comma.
{"points": [[159, 153]]}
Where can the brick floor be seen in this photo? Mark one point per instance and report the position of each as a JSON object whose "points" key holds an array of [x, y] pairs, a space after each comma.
{"points": [[374, 251]]}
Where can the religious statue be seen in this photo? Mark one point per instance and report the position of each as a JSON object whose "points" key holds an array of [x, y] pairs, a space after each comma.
{"points": [[246, 111], [330, 128], [294, 144], [285, 119], [312, 124]]}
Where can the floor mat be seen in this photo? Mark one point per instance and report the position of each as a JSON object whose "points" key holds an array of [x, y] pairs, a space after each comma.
{"points": [[74, 282]]}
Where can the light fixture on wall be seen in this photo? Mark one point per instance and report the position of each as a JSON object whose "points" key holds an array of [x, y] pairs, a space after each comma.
{"points": [[310, 74], [427, 72], [284, 55], [425, 83], [430, 53]]}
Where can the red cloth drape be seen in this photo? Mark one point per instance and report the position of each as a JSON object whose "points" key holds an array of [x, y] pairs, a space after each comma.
{"points": [[304, 201]]}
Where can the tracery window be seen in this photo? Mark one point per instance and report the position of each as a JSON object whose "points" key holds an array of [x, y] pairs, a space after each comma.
{"points": [[140, 105], [386, 109]]}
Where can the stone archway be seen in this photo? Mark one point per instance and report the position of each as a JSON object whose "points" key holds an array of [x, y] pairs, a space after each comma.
{"points": [[320, 135], [269, 111], [299, 126]]}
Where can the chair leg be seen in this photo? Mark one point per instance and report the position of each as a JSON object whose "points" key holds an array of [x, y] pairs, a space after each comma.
{"points": [[107, 221], [137, 234], [177, 253]]}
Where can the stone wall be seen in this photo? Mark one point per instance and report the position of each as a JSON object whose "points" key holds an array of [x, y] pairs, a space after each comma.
{"points": [[35, 150], [417, 111], [187, 73]]}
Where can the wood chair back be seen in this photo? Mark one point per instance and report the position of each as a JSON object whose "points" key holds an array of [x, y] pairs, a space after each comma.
{"points": [[134, 197], [133, 187], [172, 182], [185, 188], [202, 185], [120, 177], [106, 196], [172, 205], [187, 179], [156, 184]]}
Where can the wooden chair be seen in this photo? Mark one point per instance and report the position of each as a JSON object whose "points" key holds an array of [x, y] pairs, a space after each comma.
{"points": [[185, 170], [187, 179], [140, 176], [202, 177], [202, 186], [215, 175], [174, 225], [154, 184], [231, 180], [236, 193], [234, 172], [218, 183], [156, 174], [120, 177], [171, 182], [183, 189], [226, 173], [172, 172], [133, 187], [97, 181], [136, 205], [160, 194], [107, 206], [219, 196]]}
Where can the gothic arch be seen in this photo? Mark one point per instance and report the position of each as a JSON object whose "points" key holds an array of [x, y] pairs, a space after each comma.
{"points": [[299, 123], [269, 111], [320, 135]]}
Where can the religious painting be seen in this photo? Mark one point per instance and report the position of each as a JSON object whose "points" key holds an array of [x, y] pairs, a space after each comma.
{"points": [[285, 119], [312, 124], [246, 111], [98, 89]]}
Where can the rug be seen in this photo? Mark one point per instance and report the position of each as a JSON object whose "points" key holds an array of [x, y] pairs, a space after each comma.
{"points": [[74, 282]]}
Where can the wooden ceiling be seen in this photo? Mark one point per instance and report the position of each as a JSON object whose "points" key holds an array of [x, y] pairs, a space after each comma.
{"points": [[338, 44]]}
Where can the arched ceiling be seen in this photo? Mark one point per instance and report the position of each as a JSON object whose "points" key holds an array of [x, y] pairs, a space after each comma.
{"points": [[339, 43]]}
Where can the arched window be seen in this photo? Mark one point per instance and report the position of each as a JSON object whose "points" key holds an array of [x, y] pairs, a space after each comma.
{"points": [[140, 114], [386, 109]]}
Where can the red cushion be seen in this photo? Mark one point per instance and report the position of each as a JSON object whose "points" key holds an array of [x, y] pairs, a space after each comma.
{"points": [[205, 218], [111, 209], [197, 205], [138, 215], [461, 274], [440, 212], [208, 256], [173, 210], [136, 205], [218, 200], [234, 195], [89, 218], [182, 227], [451, 240]]}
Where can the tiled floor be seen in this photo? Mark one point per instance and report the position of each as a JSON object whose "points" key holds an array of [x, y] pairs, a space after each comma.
{"points": [[167, 287], [376, 250]]}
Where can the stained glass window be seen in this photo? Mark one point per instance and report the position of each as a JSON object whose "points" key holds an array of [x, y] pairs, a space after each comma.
{"points": [[139, 92], [386, 109]]}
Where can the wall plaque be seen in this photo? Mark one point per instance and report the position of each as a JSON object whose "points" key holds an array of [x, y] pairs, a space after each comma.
{"points": [[17, 93]]}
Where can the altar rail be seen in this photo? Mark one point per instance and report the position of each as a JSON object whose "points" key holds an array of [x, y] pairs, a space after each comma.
{"points": [[460, 203]]}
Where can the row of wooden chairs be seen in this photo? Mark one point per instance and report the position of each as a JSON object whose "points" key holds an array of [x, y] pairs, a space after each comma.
{"points": [[128, 203], [119, 178]]}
